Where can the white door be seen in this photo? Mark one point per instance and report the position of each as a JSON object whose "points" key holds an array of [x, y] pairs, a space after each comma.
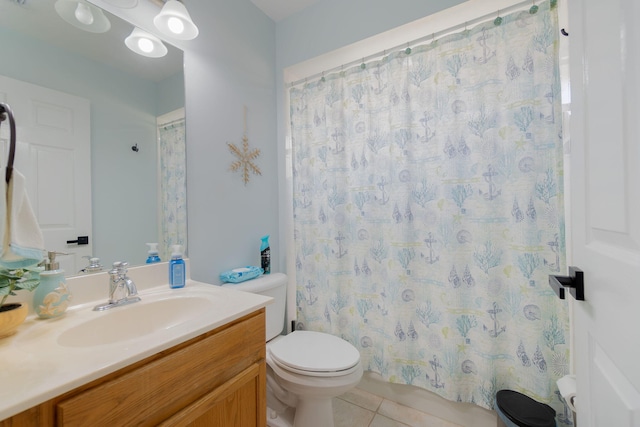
{"points": [[53, 153], [604, 38]]}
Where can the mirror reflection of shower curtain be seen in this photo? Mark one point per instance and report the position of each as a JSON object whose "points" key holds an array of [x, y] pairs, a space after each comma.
{"points": [[172, 176]]}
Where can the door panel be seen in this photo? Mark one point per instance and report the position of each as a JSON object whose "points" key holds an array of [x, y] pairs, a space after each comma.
{"points": [[619, 397], [605, 210]]}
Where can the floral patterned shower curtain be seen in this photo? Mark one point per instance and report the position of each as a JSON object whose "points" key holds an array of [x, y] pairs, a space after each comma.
{"points": [[428, 211], [173, 187]]}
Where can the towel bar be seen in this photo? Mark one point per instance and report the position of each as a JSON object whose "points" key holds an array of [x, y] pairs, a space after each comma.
{"points": [[5, 111]]}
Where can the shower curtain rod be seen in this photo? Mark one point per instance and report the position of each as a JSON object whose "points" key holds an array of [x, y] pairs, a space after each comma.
{"points": [[432, 36]]}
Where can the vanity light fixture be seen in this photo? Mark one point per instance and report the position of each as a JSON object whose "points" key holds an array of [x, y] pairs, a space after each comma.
{"points": [[82, 14], [174, 21], [145, 44]]}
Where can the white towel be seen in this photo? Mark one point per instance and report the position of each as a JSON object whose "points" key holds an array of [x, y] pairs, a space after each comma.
{"points": [[20, 234]]}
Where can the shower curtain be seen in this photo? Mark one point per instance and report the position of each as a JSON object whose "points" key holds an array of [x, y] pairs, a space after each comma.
{"points": [[173, 186], [428, 211]]}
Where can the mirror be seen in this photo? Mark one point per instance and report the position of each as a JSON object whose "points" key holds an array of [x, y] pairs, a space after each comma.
{"points": [[126, 94]]}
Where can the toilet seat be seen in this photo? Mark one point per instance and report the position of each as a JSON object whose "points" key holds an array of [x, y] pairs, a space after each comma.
{"points": [[314, 354]]}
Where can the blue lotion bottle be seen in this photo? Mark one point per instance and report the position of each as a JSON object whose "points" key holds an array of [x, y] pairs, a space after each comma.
{"points": [[153, 253], [177, 273]]}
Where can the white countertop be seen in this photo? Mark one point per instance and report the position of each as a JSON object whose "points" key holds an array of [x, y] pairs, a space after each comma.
{"points": [[35, 366]]}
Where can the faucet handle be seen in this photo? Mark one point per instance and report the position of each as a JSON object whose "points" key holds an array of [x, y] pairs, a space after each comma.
{"points": [[115, 268], [94, 264], [122, 269], [93, 261]]}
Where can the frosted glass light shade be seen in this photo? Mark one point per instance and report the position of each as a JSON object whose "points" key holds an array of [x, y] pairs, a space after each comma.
{"points": [[145, 44], [124, 4], [82, 14], [174, 21]]}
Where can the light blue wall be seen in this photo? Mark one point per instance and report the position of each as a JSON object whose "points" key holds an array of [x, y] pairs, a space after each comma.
{"points": [[170, 94], [332, 24], [123, 112], [230, 65]]}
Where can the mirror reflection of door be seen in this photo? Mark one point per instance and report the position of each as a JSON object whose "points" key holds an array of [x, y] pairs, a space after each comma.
{"points": [[53, 134]]}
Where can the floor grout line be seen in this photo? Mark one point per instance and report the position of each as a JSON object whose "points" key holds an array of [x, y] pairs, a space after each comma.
{"points": [[390, 416], [374, 412]]}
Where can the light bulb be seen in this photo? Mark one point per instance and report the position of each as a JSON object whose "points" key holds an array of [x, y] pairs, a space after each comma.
{"points": [[145, 45], [175, 25], [83, 14]]}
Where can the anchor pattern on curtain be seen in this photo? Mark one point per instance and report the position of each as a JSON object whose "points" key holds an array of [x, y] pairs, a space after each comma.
{"points": [[428, 211], [173, 187]]}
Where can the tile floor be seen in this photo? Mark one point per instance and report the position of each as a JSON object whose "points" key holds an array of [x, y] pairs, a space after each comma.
{"points": [[359, 408]]}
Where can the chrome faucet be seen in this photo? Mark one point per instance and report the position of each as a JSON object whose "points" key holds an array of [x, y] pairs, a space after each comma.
{"points": [[122, 290]]}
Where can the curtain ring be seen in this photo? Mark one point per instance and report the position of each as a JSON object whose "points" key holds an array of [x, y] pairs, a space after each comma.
{"points": [[533, 8], [498, 19], [408, 49]]}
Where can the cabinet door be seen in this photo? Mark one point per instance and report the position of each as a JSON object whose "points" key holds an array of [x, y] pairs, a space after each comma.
{"points": [[163, 387], [240, 402]]}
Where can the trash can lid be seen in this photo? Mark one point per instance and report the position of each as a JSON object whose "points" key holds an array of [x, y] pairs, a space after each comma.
{"points": [[524, 411]]}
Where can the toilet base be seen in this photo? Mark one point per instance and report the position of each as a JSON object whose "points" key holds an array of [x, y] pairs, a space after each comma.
{"points": [[314, 412], [308, 413], [275, 419]]}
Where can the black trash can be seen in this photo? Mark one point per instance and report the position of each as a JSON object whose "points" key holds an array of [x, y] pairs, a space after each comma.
{"points": [[517, 410]]}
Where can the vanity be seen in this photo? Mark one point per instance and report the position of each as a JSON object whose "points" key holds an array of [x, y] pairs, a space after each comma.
{"points": [[190, 356]]}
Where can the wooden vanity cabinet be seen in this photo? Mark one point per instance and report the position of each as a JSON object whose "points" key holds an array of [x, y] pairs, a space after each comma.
{"points": [[216, 379]]}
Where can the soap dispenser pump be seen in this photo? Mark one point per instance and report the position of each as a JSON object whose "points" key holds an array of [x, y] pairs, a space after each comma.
{"points": [[153, 253], [51, 297]]}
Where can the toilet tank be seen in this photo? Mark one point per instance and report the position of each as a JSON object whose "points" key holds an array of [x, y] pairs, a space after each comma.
{"points": [[272, 285]]}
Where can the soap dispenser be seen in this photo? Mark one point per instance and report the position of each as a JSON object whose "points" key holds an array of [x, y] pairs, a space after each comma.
{"points": [[177, 273], [51, 297], [153, 253]]}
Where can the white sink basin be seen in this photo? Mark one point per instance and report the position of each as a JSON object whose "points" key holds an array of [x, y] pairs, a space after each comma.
{"points": [[134, 321]]}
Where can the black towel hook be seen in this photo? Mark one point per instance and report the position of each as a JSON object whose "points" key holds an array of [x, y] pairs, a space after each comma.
{"points": [[5, 111]]}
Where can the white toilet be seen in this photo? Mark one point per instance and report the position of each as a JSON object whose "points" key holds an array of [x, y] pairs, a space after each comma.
{"points": [[305, 369]]}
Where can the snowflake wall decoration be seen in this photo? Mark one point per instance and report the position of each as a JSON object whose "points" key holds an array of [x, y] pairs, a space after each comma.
{"points": [[245, 157]]}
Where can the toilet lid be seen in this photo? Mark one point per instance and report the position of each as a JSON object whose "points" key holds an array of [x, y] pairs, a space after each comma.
{"points": [[310, 351]]}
